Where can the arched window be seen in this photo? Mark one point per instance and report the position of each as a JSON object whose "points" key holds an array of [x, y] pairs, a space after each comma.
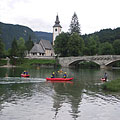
{"points": [[56, 30]]}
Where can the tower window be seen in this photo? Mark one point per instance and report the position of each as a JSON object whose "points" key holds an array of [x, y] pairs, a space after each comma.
{"points": [[56, 30]]}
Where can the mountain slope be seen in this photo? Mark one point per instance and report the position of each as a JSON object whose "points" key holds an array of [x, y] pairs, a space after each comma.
{"points": [[10, 31], [44, 35]]}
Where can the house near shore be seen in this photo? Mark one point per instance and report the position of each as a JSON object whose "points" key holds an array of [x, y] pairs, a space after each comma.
{"points": [[43, 48]]}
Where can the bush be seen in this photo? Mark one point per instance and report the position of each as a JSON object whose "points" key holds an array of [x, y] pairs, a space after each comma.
{"points": [[113, 86], [3, 62]]}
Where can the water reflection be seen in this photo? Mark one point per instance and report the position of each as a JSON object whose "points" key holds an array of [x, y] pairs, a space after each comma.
{"points": [[37, 98]]}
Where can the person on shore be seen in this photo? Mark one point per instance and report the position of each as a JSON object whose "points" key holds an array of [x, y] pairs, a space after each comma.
{"points": [[53, 75], [65, 75]]}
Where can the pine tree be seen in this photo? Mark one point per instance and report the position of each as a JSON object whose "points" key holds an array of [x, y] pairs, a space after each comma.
{"points": [[14, 48], [74, 26], [29, 44]]}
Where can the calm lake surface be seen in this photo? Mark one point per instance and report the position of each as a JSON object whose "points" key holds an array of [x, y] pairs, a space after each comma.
{"points": [[34, 98]]}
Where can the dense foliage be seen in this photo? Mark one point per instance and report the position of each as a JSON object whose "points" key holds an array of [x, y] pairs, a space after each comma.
{"points": [[2, 47], [3, 62], [29, 44], [30, 62], [75, 45]]}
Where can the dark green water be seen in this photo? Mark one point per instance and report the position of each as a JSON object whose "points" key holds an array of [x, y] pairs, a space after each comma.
{"points": [[36, 99]]}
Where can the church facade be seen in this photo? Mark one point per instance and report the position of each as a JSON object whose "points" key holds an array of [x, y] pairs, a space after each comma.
{"points": [[44, 47]]}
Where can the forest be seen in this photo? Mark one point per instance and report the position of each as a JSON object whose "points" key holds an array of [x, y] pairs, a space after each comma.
{"points": [[72, 43]]}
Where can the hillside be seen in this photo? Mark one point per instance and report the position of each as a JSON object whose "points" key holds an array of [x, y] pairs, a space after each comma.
{"points": [[106, 35], [44, 35], [10, 31]]}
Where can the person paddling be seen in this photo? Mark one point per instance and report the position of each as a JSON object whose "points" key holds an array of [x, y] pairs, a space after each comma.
{"points": [[53, 75], [25, 72], [65, 75]]}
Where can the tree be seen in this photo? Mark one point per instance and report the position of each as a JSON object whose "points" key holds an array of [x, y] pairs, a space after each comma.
{"points": [[21, 47], [92, 45], [29, 44], [116, 46], [74, 26], [2, 47], [75, 45], [14, 48], [60, 46], [106, 49]]}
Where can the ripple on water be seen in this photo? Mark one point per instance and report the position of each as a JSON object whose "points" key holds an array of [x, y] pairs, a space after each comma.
{"points": [[20, 80]]}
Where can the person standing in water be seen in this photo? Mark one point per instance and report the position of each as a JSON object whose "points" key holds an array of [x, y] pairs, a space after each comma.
{"points": [[105, 76]]}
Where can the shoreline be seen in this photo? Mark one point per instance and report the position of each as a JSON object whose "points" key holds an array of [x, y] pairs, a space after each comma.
{"points": [[8, 66]]}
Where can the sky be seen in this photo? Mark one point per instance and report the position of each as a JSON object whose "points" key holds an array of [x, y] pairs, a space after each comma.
{"points": [[40, 15]]}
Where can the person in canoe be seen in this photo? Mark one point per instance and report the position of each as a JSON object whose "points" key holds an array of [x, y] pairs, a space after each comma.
{"points": [[53, 75], [25, 72], [60, 71], [65, 75]]}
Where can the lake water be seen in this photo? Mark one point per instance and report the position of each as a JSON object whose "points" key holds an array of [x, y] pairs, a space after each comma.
{"points": [[34, 98]]}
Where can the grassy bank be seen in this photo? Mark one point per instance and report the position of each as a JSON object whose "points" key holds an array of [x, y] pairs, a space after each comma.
{"points": [[33, 62], [113, 86], [3, 62]]}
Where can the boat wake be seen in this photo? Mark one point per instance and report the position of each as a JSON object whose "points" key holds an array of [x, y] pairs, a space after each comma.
{"points": [[20, 80]]}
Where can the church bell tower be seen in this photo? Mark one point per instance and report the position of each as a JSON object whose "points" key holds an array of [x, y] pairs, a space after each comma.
{"points": [[56, 29]]}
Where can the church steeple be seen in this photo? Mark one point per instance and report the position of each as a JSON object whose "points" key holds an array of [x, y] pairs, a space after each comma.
{"points": [[57, 22], [56, 29]]}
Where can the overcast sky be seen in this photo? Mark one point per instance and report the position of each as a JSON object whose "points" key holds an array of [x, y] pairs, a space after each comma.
{"points": [[40, 15]]}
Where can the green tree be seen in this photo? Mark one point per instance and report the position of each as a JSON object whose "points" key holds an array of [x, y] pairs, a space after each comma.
{"points": [[29, 44], [21, 47], [75, 45], [2, 47], [74, 26], [106, 49], [116, 46], [92, 45], [14, 48], [60, 46]]}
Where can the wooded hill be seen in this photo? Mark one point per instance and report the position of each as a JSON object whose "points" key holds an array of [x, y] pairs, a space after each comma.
{"points": [[106, 35], [10, 31]]}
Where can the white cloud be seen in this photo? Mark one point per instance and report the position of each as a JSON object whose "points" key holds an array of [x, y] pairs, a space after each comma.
{"points": [[40, 15]]}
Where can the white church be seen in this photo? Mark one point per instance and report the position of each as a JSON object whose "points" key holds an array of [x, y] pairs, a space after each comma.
{"points": [[44, 47]]}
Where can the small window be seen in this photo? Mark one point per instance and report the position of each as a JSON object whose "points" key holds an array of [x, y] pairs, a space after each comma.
{"points": [[55, 30]]}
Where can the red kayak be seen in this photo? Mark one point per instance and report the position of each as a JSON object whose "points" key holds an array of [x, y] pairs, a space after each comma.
{"points": [[59, 79], [103, 79], [24, 75]]}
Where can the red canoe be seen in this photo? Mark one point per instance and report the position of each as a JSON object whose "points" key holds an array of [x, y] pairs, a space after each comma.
{"points": [[59, 79], [24, 75]]}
